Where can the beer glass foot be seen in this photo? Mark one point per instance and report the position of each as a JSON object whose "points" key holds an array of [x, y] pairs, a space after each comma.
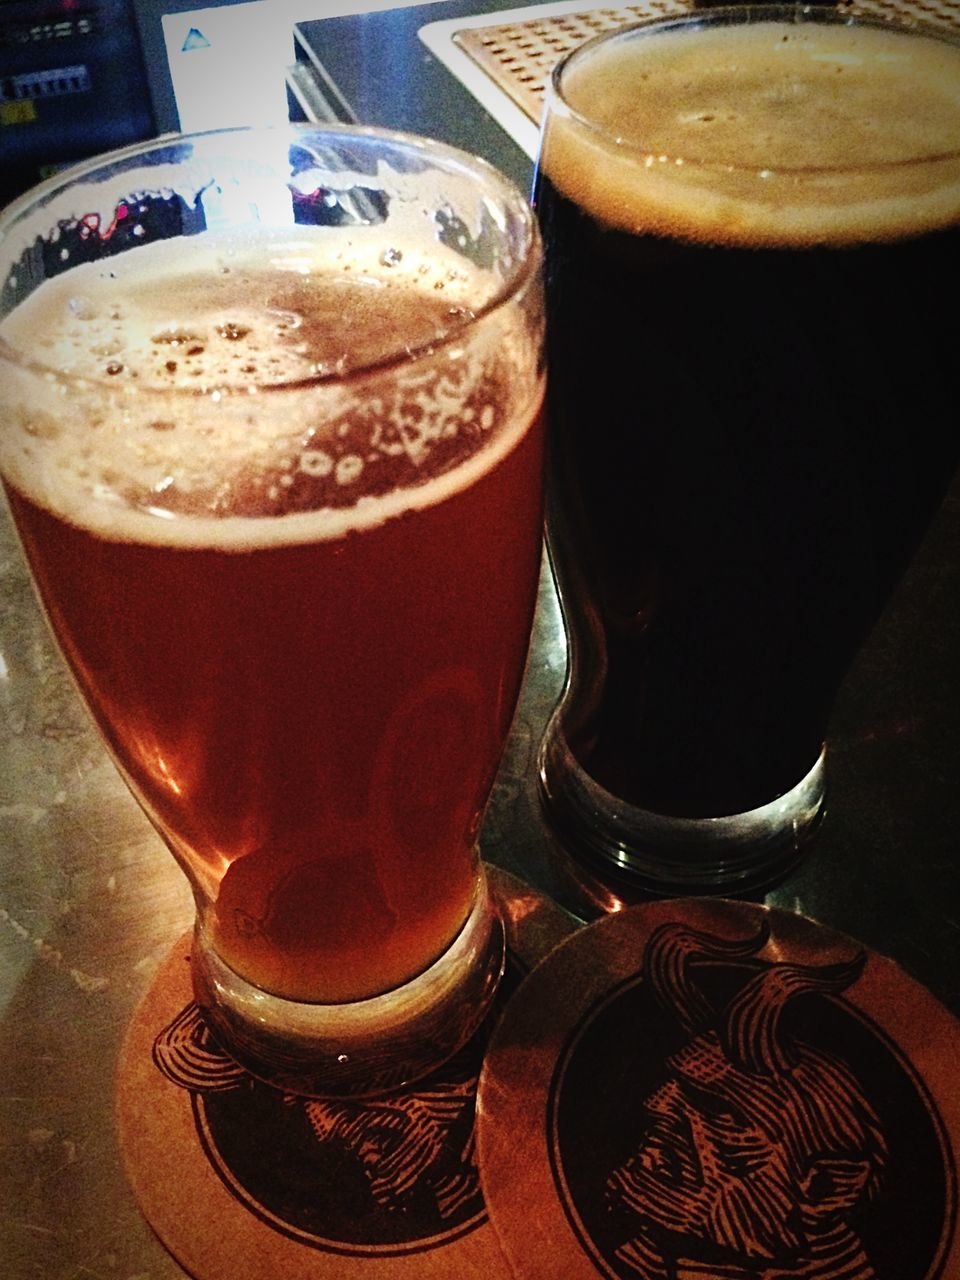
{"points": [[362, 1048], [736, 855]]}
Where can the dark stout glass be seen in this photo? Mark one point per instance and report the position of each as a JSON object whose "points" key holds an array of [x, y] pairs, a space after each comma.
{"points": [[752, 402]]}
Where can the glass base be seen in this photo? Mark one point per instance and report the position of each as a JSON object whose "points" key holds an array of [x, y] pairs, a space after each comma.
{"points": [[363, 1048], [737, 855]]}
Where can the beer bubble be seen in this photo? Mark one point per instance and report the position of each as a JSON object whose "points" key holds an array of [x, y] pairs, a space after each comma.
{"points": [[114, 367], [110, 348], [42, 426], [314, 462], [349, 468], [285, 319], [176, 337], [83, 308], [391, 258], [232, 332]]}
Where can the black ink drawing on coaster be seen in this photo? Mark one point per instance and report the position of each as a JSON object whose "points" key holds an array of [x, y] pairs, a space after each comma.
{"points": [[397, 1174], [706, 1090], [243, 1182]]}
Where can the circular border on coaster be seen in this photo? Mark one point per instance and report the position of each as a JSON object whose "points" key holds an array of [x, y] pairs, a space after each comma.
{"points": [[702, 1089], [241, 1182]]}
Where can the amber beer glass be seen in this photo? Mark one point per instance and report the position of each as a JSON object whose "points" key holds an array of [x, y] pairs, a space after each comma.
{"points": [[271, 438], [751, 220]]}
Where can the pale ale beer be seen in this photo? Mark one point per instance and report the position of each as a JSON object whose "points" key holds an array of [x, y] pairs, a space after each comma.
{"points": [[752, 226], [286, 525]]}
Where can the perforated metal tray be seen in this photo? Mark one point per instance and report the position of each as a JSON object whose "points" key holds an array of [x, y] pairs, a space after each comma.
{"points": [[519, 56]]}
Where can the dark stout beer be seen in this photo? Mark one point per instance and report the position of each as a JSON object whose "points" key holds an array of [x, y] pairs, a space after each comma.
{"points": [[752, 237]]}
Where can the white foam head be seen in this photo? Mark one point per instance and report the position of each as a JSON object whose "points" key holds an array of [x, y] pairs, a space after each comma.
{"points": [[234, 391]]}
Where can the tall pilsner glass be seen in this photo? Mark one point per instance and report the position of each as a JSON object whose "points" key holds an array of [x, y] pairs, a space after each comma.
{"points": [[271, 438], [751, 220]]}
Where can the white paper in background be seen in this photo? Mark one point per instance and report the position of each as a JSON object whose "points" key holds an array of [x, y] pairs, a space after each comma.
{"points": [[227, 64]]}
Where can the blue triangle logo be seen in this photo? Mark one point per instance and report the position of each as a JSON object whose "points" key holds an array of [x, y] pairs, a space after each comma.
{"points": [[195, 40]]}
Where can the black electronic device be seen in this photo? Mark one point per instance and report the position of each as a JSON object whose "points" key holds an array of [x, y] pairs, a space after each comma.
{"points": [[72, 84]]}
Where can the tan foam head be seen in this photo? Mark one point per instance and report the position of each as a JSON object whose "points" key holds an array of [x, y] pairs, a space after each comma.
{"points": [[772, 132]]}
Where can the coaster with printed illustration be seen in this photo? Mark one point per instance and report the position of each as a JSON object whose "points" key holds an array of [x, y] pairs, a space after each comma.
{"points": [[242, 1182], [709, 1090]]}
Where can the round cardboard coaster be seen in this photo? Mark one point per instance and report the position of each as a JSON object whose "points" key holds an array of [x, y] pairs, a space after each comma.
{"points": [[242, 1182], [709, 1090]]}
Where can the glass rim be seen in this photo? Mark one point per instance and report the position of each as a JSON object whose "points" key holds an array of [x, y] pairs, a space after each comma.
{"points": [[729, 15], [514, 286]]}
